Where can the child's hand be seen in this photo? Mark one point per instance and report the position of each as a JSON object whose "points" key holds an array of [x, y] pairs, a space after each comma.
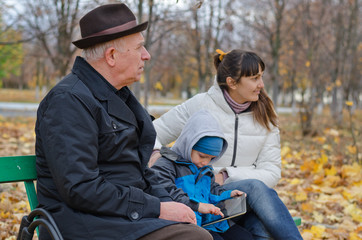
{"points": [[236, 193], [209, 208]]}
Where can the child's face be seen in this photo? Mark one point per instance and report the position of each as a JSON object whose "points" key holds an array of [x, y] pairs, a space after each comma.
{"points": [[200, 159]]}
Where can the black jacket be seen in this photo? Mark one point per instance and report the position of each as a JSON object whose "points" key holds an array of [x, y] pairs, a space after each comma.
{"points": [[92, 148]]}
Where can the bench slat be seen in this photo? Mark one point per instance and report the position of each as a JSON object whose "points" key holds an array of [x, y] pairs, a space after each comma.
{"points": [[17, 168]]}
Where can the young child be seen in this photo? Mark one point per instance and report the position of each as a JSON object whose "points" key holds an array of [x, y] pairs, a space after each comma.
{"points": [[186, 173]]}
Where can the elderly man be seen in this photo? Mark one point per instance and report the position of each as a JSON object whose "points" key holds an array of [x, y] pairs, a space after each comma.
{"points": [[94, 139]]}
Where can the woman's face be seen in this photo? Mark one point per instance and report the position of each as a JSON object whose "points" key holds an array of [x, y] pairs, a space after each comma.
{"points": [[248, 88]]}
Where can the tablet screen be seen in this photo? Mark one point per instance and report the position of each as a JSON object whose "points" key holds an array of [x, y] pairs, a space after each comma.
{"points": [[233, 207]]}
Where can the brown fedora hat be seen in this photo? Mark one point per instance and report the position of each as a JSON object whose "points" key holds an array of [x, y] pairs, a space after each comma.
{"points": [[106, 23]]}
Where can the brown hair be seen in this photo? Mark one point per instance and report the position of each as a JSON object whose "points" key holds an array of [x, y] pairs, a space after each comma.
{"points": [[237, 64]]}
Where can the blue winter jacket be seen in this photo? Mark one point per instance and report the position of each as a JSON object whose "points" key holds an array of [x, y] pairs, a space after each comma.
{"points": [[187, 183]]}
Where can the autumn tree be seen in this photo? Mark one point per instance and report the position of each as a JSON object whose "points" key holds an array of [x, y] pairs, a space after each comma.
{"points": [[11, 53], [53, 26], [345, 76], [207, 20], [266, 18], [163, 21], [309, 36]]}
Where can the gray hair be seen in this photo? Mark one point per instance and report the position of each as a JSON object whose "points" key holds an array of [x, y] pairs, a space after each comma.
{"points": [[96, 52]]}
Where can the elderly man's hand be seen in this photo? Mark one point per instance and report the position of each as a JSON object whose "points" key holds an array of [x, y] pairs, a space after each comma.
{"points": [[177, 212]]}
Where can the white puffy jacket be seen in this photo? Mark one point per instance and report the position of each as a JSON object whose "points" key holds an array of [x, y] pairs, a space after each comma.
{"points": [[253, 151]]}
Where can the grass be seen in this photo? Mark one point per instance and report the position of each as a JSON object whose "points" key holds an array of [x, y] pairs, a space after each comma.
{"points": [[15, 95]]}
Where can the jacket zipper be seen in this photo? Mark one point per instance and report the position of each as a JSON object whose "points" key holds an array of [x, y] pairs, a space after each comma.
{"points": [[235, 139]]}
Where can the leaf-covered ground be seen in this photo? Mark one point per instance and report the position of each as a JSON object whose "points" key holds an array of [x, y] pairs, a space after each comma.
{"points": [[321, 179]]}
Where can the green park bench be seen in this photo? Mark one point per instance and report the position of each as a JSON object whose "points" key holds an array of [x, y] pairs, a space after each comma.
{"points": [[22, 169]]}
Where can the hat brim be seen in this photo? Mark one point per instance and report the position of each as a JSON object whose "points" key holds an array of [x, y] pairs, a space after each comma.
{"points": [[91, 41]]}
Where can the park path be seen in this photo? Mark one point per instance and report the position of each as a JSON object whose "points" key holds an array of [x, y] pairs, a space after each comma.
{"points": [[12, 109]]}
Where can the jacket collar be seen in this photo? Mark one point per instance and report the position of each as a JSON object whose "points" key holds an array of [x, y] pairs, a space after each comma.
{"points": [[103, 91], [218, 97]]}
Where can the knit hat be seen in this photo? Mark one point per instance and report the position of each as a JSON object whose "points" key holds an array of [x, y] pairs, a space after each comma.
{"points": [[209, 145]]}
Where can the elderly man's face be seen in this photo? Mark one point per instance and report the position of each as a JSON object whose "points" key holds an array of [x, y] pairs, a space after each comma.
{"points": [[131, 59]]}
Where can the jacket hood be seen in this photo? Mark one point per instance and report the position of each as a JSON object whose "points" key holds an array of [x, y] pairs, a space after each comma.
{"points": [[199, 125]]}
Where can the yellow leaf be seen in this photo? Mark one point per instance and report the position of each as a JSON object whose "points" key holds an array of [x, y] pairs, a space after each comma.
{"points": [[5, 136], [352, 149], [354, 236], [4, 214], [352, 171], [349, 103], [318, 167], [331, 171], [285, 150], [320, 140], [332, 181], [333, 218], [355, 212], [323, 159], [301, 196], [159, 86], [317, 231], [308, 166], [307, 64], [318, 217], [295, 181], [347, 195], [338, 83], [318, 179], [307, 207]]}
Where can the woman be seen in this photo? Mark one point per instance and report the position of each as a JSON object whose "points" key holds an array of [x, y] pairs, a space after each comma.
{"points": [[247, 117]]}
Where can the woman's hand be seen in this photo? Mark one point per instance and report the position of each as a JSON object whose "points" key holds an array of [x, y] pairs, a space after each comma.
{"points": [[154, 156], [236, 193], [209, 208], [219, 178]]}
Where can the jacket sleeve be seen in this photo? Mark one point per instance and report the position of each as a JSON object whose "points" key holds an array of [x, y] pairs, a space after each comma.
{"points": [[267, 167], [218, 193], [166, 174], [154, 187], [69, 137]]}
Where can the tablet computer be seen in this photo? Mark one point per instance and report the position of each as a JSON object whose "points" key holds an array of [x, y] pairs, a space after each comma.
{"points": [[233, 207]]}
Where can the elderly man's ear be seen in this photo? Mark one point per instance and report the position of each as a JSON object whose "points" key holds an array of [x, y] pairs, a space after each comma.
{"points": [[110, 56]]}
